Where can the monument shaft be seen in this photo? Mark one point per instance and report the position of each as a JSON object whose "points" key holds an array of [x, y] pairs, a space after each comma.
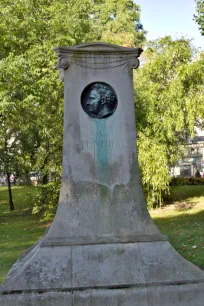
{"points": [[101, 185]]}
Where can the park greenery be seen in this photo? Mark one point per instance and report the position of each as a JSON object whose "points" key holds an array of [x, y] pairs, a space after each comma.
{"points": [[169, 104], [168, 89], [199, 16]]}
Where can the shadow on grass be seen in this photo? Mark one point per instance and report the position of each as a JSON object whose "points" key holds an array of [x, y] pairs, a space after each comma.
{"points": [[182, 216], [185, 233]]}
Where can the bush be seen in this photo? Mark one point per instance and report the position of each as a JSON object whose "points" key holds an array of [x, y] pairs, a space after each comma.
{"points": [[46, 200], [180, 181]]}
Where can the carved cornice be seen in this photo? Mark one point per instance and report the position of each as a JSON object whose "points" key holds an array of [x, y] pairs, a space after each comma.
{"points": [[63, 62], [97, 56], [62, 65], [134, 63], [98, 47]]}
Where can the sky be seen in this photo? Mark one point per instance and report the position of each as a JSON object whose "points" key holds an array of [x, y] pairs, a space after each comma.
{"points": [[170, 17]]}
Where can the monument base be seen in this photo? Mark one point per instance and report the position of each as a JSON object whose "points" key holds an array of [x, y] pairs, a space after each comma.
{"points": [[125, 274], [155, 295]]}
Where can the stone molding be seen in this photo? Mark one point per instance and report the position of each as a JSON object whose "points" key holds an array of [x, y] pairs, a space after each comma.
{"points": [[97, 56], [69, 241]]}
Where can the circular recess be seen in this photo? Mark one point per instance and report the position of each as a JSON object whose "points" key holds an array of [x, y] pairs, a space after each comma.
{"points": [[99, 100]]}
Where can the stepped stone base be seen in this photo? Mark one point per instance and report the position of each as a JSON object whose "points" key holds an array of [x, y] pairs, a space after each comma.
{"points": [[158, 295], [125, 274]]}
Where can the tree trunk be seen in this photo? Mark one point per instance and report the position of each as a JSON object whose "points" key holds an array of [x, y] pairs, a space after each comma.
{"points": [[45, 179], [27, 180], [10, 193]]}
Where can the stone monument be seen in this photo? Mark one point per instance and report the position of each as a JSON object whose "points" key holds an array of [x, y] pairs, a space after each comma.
{"points": [[102, 248]]}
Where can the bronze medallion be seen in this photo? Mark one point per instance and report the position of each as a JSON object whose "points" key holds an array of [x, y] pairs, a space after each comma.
{"points": [[99, 100]]}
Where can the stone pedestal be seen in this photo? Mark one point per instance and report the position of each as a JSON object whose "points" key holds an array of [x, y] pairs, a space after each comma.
{"points": [[103, 248]]}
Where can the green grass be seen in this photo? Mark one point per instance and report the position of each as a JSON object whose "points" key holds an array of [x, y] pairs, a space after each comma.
{"points": [[182, 221], [19, 229], [184, 230]]}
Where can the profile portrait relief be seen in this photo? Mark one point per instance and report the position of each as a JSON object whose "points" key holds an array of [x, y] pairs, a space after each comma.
{"points": [[99, 100]]}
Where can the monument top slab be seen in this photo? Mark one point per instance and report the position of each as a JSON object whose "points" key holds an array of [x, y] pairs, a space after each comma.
{"points": [[98, 47], [96, 55]]}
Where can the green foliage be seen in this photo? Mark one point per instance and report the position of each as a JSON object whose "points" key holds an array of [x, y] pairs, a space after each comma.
{"points": [[153, 160], [46, 200], [31, 95], [186, 194], [118, 22], [169, 104], [199, 17], [16, 117], [180, 181]]}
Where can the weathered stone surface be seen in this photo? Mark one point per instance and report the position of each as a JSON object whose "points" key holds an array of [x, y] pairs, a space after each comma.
{"points": [[36, 299], [103, 249], [123, 297], [80, 267], [48, 268], [162, 264], [107, 265], [176, 295], [101, 198]]}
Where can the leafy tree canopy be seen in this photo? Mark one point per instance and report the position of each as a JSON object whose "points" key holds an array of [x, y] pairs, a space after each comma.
{"points": [[169, 104], [118, 22], [199, 17], [31, 95]]}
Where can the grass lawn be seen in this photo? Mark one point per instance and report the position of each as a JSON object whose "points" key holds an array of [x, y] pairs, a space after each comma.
{"points": [[182, 221], [19, 229]]}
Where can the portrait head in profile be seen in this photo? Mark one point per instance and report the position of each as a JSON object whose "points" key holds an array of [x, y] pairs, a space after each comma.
{"points": [[99, 100]]}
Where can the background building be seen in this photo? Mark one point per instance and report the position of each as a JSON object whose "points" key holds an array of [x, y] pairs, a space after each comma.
{"points": [[192, 161]]}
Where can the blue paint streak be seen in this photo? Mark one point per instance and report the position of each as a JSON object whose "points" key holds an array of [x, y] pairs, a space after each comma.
{"points": [[101, 151]]}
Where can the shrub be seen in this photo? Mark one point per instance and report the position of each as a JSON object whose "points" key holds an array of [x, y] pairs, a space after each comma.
{"points": [[46, 200], [179, 181]]}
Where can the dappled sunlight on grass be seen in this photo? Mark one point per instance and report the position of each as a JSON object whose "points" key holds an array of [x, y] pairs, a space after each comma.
{"points": [[184, 228]]}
